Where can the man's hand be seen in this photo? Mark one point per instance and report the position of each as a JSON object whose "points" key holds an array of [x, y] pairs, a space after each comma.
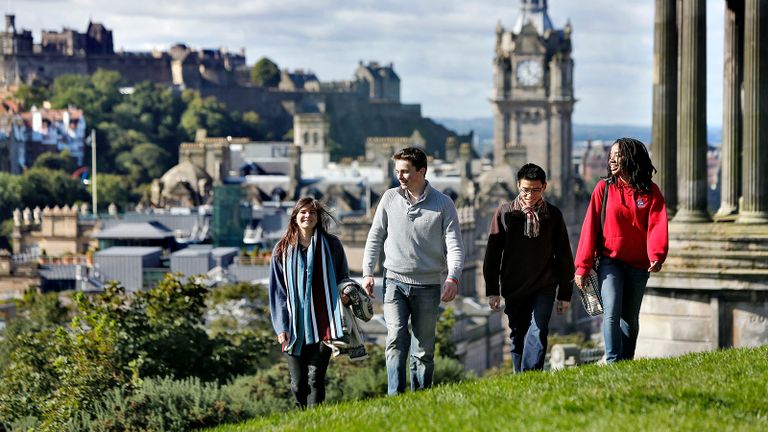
{"points": [[562, 306], [494, 302], [450, 288], [581, 281], [368, 286], [655, 267]]}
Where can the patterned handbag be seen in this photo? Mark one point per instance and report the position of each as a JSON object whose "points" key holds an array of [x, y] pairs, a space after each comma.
{"points": [[590, 295], [359, 303]]}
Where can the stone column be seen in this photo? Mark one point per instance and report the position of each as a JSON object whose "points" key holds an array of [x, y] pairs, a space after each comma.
{"points": [[664, 130], [692, 154], [730, 171], [755, 178]]}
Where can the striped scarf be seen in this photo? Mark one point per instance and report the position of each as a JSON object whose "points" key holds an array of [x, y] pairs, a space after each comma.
{"points": [[532, 214], [301, 303]]}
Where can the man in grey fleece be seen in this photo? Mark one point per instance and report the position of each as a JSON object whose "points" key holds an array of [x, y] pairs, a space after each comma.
{"points": [[418, 228]]}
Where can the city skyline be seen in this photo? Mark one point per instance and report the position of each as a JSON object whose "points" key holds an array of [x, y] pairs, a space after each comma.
{"points": [[442, 50]]}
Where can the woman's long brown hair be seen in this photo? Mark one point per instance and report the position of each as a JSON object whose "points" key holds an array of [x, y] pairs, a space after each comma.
{"points": [[291, 235]]}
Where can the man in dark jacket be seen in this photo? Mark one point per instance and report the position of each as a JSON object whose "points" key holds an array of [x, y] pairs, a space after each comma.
{"points": [[527, 258]]}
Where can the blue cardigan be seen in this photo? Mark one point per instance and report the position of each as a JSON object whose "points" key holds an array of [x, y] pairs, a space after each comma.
{"points": [[278, 301]]}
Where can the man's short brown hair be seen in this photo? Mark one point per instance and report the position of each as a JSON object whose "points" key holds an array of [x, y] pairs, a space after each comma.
{"points": [[415, 156]]}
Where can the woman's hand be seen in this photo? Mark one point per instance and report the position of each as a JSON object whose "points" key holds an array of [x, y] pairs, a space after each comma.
{"points": [[581, 281], [655, 267], [283, 338]]}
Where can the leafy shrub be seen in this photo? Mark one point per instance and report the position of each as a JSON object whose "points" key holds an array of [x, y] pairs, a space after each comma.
{"points": [[160, 404], [348, 380], [265, 392], [448, 370]]}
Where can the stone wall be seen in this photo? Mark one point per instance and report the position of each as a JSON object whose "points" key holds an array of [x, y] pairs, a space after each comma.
{"points": [[712, 292]]}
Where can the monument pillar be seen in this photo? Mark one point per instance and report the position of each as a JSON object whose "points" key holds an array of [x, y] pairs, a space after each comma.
{"points": [[755, 155], [730, 172], [664, 133], [692, 154]]}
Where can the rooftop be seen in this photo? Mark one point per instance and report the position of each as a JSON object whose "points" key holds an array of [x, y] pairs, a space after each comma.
{"points": [[129, 251], [133, 230]]}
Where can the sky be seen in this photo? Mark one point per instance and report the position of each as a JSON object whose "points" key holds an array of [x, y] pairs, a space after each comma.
{"points": [[441, 49]]}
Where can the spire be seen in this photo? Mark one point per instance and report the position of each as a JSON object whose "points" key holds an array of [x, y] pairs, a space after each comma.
{"points": [[534, 11]]}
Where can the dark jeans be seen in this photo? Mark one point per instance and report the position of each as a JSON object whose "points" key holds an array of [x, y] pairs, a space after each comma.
{"points": [[308, 374], [529, 327]]}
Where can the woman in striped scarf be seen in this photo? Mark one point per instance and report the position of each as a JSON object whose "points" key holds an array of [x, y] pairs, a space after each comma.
{"points": [[307, 264]]}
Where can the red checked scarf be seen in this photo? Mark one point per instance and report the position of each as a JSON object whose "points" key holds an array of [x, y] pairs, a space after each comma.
{"points": [[532, 214]]}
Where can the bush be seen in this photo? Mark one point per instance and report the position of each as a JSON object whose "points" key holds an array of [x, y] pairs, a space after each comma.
{"points": [[357, 380], [448, 370], [265, 392], [160, 404]]}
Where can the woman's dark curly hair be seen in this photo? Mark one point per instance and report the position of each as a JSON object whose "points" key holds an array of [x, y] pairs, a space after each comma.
{"points": [[636, 162]]}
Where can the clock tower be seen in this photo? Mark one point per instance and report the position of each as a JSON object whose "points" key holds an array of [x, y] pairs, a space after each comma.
{"points": [[533, 96]]}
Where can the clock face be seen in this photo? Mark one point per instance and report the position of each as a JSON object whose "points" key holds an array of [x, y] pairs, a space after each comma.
{"points": [[529, 73]]}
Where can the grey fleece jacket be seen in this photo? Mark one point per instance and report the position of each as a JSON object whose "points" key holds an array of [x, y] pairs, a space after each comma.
{"points": [[418, 240]]}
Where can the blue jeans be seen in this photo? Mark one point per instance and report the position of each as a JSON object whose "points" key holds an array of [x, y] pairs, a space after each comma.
{"points": [[421, 304], [622, 287], [529, 327]]}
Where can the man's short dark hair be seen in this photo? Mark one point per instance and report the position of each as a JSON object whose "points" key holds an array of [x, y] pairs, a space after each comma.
{"points": [[532, 172], [414, 155]]}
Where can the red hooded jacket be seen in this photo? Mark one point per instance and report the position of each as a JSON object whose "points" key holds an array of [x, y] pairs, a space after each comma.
{"points": [[635, 230]]}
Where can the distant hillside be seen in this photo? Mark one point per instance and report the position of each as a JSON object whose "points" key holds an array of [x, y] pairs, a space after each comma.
{"points": [[483, 128], [720, 390]]}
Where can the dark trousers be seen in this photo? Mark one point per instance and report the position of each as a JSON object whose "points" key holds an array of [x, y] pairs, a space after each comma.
{"points": [[529, 328], [308, 374]]}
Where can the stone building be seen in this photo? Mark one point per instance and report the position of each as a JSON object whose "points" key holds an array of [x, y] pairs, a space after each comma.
{"points": [[25, 135], [50, 130], [311, 133], [368, 104], [383, 82], [298, 80], [11, 149], [713, 289], [53, 231], [533, 94], [71, 52]]}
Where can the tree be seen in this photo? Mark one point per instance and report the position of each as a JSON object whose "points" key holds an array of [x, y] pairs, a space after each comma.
{"points": [[265, 73], [36, 312], [32, 94], [96, 95], [154, 110], [444, 345], [143, 163], [113, 188], [61, 161], [41, 187], [10, 194], [205, 113], [249, 125]]}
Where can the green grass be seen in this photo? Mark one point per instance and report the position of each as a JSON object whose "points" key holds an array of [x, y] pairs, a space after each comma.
{"points": [[719, 391]]}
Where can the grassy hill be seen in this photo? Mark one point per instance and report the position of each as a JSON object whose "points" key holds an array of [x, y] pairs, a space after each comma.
{"points": [[723, 390]]}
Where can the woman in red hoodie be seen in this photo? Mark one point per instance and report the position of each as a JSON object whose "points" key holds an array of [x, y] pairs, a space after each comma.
{"points": [[631, 243]]}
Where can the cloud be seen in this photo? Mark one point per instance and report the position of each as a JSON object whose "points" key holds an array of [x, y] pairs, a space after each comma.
{"points": [[442, 49]]}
